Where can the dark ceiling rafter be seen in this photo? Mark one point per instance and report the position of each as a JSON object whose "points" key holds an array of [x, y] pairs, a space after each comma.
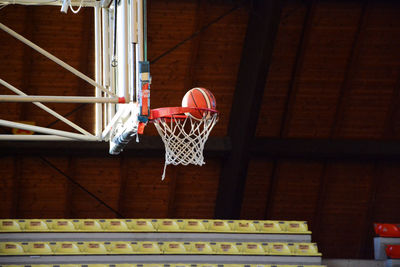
{"points": [[149, 146], [338, 117], [297, 68], [252, 75], [290, 99], [349, 71]]}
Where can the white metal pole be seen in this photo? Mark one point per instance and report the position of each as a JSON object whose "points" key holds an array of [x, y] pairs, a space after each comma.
{"points": [[105, 35], [123, 60], [133, 21], [133, 66], [55, 59], [59, 99], [140, 29], [105, 63], [47, 130], [139, 46], [98, 73], [45, 108], [35, 137], [110, 37]]}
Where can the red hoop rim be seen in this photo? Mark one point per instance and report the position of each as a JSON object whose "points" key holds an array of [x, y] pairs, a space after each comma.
{"points": [[176, 112]]}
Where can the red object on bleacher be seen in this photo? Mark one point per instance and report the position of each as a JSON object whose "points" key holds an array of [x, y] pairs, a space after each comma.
{"points": [[393, 251], [387, 229]]}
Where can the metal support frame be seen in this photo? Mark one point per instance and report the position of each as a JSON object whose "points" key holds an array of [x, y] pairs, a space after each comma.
{"points": [[106, 84]]}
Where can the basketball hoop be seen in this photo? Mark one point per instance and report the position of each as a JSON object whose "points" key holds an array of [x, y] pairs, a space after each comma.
{"points": [[183, 135]]}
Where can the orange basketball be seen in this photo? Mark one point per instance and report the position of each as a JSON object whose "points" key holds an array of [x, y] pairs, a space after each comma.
{"points": [[199, 98]]}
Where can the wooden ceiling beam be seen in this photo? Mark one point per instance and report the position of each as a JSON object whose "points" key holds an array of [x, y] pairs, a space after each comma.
{"points": [[290, 100], [350, 70], [252, 75], [297, 68], [217, 147]]}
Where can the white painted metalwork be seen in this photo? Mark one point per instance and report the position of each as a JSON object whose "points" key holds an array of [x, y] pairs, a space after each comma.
{"points": [[27, 137], [55, 59], [114, 87], [44, 130], [98, 71], [84, 3], [52, 112], [58, 99]]}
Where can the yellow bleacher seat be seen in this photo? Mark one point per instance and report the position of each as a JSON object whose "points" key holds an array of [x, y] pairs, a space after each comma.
{"points": [[219, 226], [67, 265], [180, 265], [9, 226], [37, 248], [238, 265], [194, 226], [211, 265], [309, 249], [97, 265], [115, 225], [269, 227], [278, 249], [260, 265], [9, 248], [252, 248], [141, 225], [296, 227], [148, 247], [62, 225], [174, 248], [123, 265], [66, 248], [89, 225], [199, 248], [36, 225], [150, 265], [94, 248], [244, 226], [168, 225], [226, 247], [120, 247]]}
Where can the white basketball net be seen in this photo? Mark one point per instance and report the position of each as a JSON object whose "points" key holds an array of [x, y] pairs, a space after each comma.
{"points": [[184, 138]]}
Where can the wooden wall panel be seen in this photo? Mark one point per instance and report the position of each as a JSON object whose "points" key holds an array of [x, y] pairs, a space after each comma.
{"points": [[323, 68], [344, 209], [100, 176], [376, 75], [42, 190], [7, 185], [296, 190], [169, 23], [281, 67], [257, 185], [387, 200], [196, 190], [11, 63], [218, 58], [146, 195]]}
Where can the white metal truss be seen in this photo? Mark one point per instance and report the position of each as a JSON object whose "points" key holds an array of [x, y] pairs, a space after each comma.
{"points": [[117, 83]]}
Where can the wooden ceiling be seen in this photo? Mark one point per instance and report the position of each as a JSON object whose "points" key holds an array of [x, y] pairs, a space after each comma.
{"points": [[308, 93]]}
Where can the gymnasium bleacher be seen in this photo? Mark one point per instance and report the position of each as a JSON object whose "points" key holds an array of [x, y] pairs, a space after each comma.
{"points": [[156, 242]]}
